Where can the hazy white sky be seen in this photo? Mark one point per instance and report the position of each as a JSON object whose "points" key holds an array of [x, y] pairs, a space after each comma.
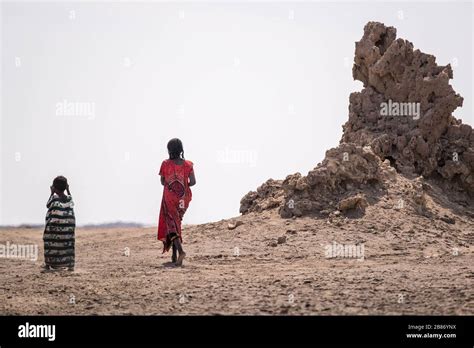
{"points": [[255, 90]]}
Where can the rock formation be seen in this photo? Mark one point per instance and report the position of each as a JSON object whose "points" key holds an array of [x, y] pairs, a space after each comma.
{"points": [[401, 123]]}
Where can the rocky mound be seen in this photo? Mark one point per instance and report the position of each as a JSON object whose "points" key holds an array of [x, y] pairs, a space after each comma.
{"points": [[400, 124]]}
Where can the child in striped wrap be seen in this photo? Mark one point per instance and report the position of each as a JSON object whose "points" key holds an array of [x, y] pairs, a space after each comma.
{"points": [[58, 235]]}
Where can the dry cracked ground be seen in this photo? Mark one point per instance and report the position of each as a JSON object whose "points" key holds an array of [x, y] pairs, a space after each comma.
{"points": [[267, 265]]}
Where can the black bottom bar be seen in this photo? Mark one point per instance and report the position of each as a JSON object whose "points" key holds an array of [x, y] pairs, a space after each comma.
{"points": [[219, 330]]}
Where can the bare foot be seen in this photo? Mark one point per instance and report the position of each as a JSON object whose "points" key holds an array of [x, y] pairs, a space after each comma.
{"points": [[180, 259]]}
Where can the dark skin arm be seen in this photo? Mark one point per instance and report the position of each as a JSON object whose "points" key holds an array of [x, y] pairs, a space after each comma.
{"points": [[192, 179], [54, 190]]}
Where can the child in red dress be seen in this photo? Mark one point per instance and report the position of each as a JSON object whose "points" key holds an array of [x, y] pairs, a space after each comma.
{"points": [[177, 176]]}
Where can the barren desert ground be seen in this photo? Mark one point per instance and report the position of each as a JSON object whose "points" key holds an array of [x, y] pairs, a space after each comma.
{"points": [[267, 265]]}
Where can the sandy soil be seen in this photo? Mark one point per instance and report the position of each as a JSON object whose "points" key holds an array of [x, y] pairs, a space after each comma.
{"points": [[411, 265]]}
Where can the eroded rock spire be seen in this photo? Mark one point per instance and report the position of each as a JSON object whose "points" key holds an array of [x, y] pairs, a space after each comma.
{"points": [[401, 123]]}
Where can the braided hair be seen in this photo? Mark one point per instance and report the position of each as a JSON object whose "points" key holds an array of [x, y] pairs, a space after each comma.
{"points": [[175, 149]]}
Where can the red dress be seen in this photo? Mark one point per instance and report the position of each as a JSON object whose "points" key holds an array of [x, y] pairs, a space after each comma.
{"points": [[176, 198]]}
